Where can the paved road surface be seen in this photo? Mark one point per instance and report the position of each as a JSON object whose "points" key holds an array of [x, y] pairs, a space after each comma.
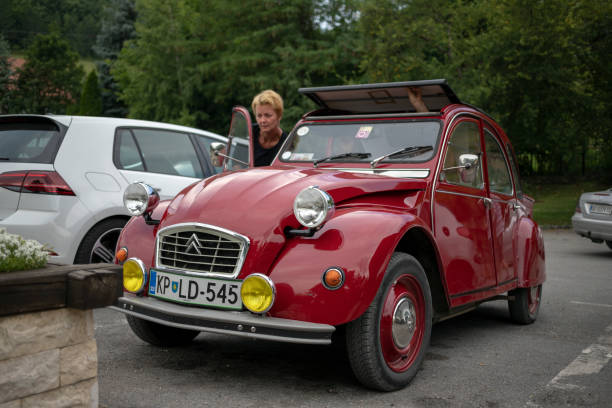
{"points": [[476, 360]]}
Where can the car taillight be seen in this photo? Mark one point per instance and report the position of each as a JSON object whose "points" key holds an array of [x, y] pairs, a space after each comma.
{"points": [[578, 210], [35, 181]]}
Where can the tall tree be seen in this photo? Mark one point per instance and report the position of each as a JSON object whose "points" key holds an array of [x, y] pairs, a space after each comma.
{"points": [[154, 70], [547, 77], [5, 77], [117, 27], [192, 61], [91, 98], [538, 67], [50, 79], [76, 20]]}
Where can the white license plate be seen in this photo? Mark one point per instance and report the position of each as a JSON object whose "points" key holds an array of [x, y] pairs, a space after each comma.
{"points": [[192, 290], [601, 209]]}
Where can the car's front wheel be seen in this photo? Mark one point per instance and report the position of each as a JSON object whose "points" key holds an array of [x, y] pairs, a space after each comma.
{"points": [[99, 243], [524, 304], [387, 344], [160, 335]]}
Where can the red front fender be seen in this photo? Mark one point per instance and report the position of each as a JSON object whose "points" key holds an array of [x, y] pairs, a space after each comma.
{"points": [[361, 242], [139, 237]]}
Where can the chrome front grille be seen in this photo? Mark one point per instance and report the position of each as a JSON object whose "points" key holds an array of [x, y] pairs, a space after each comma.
{"points": [[201, 249]]}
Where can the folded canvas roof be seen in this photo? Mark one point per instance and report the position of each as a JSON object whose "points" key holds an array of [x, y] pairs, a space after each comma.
{"points": [[389, 97]]}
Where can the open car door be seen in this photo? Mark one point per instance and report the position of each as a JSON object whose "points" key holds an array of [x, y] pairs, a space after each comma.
{"points": [[239, 146]]}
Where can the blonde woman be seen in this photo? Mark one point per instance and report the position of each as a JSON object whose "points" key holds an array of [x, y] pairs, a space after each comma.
{"points": [[268, 136]]}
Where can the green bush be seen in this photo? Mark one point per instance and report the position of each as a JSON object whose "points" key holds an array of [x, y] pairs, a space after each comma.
{"points": [[18, 254]]}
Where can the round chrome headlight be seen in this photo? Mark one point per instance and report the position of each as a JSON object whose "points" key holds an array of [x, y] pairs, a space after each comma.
{"points": [[312, 207], [139, 198]]}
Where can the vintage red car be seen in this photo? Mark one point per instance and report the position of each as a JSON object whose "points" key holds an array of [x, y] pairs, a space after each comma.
{"points": [[372, 223]]}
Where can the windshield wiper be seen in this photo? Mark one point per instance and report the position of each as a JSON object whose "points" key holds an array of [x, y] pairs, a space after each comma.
{"points": [[406, 151], [341, 156]]}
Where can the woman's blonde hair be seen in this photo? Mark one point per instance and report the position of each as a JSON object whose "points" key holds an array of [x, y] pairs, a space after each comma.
{"points": [[269, 97]]}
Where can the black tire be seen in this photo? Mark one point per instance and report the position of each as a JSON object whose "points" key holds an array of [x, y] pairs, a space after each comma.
{"points": [[99, 243], [160, 335], [524, 304], [609, 244], [387, 359]]}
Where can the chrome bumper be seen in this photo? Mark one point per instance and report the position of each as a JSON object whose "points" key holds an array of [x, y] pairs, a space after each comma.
{"points": [[592, 228], [224, 322]]}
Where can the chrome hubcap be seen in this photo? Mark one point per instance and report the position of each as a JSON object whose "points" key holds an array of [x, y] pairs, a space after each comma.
{"points": [[404, 323]]}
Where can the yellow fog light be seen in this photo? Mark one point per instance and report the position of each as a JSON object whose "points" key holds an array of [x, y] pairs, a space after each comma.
{"points": [[258, 293], [134, 277]]}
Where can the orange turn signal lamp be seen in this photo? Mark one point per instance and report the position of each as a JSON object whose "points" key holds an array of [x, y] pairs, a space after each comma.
{"points": [[121, 254], [333, 278]]}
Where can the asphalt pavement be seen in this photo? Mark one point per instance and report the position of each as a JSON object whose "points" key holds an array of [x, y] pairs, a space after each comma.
{"points": [[479, 359]]}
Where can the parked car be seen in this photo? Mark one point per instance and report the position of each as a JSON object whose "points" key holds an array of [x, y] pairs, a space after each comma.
{"points": [[62, 177], [593, 217], [372, 223]]}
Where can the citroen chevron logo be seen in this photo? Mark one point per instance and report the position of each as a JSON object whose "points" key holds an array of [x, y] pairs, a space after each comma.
{"points": [[193, 245]]}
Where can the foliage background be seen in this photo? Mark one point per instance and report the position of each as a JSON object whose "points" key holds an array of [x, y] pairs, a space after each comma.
{"points": [[541, 68]]}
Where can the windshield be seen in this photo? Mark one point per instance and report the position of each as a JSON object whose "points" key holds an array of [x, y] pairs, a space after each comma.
{"points": [[317, 141]]}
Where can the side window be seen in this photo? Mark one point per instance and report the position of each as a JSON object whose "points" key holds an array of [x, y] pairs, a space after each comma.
{"points": [[465, 140], [515, 171], [168, 152], [499, 174], [240, 152], [129, 153], [205, 143]]}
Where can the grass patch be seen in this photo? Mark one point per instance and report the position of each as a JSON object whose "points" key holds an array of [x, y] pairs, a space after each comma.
{"points": [[556, 201]]}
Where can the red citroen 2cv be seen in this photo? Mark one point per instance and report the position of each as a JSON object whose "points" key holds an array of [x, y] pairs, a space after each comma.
{"points": [[374, 221]]}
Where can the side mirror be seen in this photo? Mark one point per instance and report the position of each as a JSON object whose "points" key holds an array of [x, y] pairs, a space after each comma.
{"points": [[467, 161], [217, 153]]}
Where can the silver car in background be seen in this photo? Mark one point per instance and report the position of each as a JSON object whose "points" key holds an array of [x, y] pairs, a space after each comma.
{"points": [[593, 217], [62, 178]]}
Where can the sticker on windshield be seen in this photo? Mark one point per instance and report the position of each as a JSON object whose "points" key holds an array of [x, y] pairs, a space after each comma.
{"points": [[364, 132], [303, 130], [302, 156], [286, 155]]}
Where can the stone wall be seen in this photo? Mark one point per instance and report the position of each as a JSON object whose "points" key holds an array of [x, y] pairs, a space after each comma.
{"points": [[48, 359]]}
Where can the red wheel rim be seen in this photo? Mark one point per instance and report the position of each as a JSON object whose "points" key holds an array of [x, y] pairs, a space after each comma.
{"points": [[402, 323], [534, 298]]}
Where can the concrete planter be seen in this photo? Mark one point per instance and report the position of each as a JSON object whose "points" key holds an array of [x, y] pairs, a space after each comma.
{"points": [[48, 354]]}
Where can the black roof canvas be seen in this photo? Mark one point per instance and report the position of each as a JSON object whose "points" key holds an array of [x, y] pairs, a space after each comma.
{"points": [[389, 97]]}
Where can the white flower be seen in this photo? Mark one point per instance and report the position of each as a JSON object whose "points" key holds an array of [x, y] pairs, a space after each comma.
{"points": [[14, 250]]}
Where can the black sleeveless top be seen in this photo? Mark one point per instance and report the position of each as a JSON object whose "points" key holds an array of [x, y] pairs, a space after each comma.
{"points": [[263, 157]]}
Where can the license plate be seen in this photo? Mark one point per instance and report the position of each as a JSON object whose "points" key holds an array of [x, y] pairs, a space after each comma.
{"points": [[198, 291], [601, 209]]}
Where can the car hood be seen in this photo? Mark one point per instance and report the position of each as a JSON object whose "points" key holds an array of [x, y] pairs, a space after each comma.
{"points": [[257, 199], [258, 203]]}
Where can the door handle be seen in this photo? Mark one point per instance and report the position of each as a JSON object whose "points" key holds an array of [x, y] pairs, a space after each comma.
{"points": [[487, 202], [515, 206]]}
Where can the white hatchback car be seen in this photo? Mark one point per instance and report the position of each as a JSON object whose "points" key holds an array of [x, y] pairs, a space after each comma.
{"points": [[62, 178]]}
